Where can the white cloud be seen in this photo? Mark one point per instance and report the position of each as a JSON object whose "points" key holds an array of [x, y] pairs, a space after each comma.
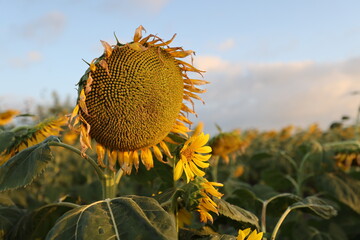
{"points": [[211, 63], [31, 57], [272, 95], [45, 29]]}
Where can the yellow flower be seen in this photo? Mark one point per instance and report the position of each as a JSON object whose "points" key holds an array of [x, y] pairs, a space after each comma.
{"points": [[183, 217], [132, 97], [70, 137], [29, 136], [226, 144], [254, 235], [239, 171], [7, 116], [206, 204], [345, 160], [191, 157]]}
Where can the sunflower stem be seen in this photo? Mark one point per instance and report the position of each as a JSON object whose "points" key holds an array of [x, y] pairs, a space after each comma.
{"points": [[93, 163], [109, 183], [278, 224]]}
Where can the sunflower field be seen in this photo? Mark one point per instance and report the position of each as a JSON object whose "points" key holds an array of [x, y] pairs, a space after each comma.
{"points": [[125, 162]]}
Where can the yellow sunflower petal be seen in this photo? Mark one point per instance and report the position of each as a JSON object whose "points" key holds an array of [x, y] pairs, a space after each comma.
{"points": [[202, 158], [204, 149], [178, 170], [196, 170], [134, 157], [146, 158], [158, 154], [200, 163]]}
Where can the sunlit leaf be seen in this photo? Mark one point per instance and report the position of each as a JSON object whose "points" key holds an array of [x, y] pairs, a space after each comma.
{"points": [[236, 213], [317, 205], [343, 188], [21, 169], [130, 217]]}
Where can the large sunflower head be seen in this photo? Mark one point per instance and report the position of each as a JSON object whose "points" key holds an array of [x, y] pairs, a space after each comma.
{"points": [[132, 97]]}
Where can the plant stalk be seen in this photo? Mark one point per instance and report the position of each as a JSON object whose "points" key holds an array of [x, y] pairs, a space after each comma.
{"points": [[278, 224], [93, 163], [108, 184]]}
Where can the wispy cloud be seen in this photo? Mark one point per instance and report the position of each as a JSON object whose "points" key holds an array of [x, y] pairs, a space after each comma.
{"points": [[45, 29], [31, 57], [276, 94]]}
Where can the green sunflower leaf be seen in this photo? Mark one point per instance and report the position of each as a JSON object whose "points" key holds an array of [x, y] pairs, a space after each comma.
{"points": [[9, 216], [128, 217], [21, 169], [236, 213], [342, 188], [317, 206], [6, 140], [36, 224]]}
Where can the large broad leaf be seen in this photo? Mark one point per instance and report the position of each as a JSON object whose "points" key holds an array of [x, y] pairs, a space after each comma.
{"points": [[130, 217], [317, 205], [343, 188], [36, 224], [236, 213], [21, 169]]}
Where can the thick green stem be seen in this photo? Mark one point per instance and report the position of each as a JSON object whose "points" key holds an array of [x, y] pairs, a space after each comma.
{"points": [[93, 163], [108, 184]]}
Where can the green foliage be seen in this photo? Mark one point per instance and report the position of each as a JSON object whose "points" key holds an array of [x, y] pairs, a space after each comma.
{"points": [[129, 217], [291, 188], [9, 215], [21, 169], [6, 139], [36, 224], [236, 213], [342, 188]]}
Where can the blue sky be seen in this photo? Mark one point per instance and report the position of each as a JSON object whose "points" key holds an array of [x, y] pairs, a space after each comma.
{"points": [[271, 63]]}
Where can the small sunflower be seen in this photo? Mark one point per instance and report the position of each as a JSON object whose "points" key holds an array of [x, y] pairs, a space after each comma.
{"points": [[191, 157], [132, 97], [7, 116], [227, 144], [345, 160], [184, 217], [206, 204], [28, 136], [247, 234]]}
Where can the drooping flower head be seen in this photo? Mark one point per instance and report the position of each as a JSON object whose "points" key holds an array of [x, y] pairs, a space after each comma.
{"points": [[206, 204], [27, 136], [132, 97]]}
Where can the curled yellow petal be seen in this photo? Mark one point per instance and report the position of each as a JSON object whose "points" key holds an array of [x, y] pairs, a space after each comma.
{"points": [[108, 48], [138, 33]]}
